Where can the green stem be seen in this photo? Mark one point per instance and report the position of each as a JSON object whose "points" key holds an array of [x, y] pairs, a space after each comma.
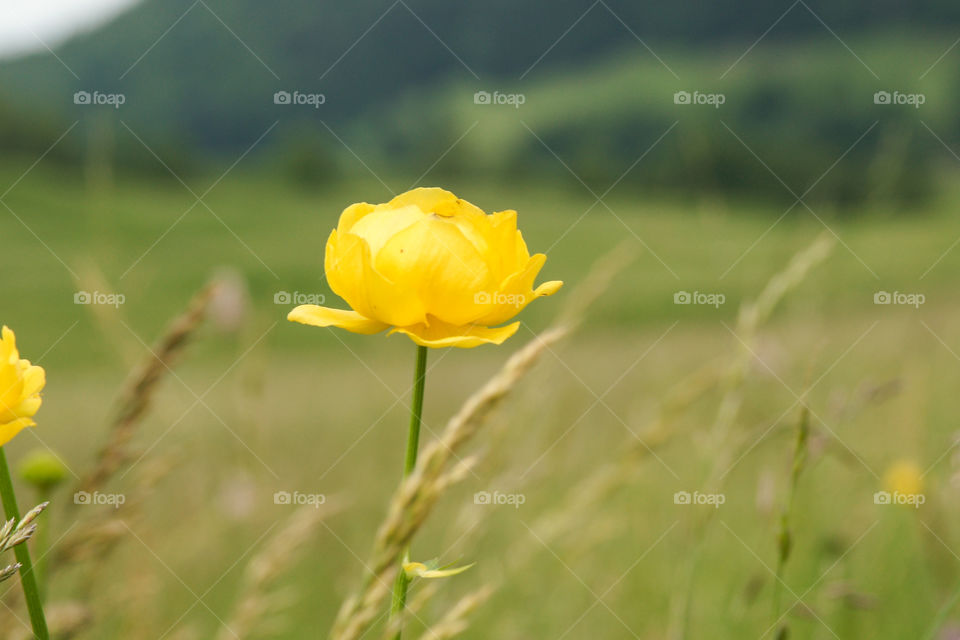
{"points": [[40, 540], [785, 535], [409, 463], [28, 579]]}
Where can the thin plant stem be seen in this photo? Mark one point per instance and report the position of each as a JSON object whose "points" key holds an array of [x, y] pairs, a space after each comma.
{"points": [[785, 535], [409, 463], [40, 545], [28, 578]]}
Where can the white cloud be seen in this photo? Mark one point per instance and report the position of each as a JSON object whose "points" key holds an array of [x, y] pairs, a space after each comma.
{"points": [[26, 26]]}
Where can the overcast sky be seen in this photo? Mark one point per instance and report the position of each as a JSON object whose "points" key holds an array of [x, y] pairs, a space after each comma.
{"points": [[25, 23]]}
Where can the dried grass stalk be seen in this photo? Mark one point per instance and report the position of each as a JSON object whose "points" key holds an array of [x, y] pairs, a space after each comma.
{"points": [[749, 320], [455, 622], [93, 539], [258, 601], [65, 619], [13, 533], [725, 447], [140, 387]]}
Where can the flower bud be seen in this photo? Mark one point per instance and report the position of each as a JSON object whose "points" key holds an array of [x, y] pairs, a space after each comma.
{"points": [[42, 470]]}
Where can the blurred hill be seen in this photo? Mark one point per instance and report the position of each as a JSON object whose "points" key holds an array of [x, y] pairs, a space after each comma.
{"points": [[796, 116], [200, 77]]}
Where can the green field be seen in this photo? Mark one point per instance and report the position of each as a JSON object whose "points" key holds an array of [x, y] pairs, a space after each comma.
{"points": [[289, 408]]}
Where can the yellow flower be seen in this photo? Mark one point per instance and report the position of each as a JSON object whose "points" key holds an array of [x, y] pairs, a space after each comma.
{"points": [[20, 385], [904, 478], [429, 265]]}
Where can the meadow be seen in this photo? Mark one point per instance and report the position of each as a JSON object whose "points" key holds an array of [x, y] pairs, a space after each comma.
{"points": [[645, 399]]}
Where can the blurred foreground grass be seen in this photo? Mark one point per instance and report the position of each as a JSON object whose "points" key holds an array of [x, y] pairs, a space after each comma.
{"points": [[288, 408]]}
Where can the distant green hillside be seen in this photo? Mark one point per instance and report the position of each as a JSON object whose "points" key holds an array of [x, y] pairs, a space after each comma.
{"points": [[806, 112], [207, 71], [398, 83]]}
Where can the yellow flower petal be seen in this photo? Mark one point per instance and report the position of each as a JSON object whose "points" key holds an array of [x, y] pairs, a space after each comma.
{"points": [[11, 390], [440, 334], [20, 386], [435, 260], [352, 214], [432, 200], [8, 346], [34, 379], [352, 276], [508, 251], [473, 223], [548, 288], [380, 225], [11, 429], [517, 292], [318, 316], [28, 407]]}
